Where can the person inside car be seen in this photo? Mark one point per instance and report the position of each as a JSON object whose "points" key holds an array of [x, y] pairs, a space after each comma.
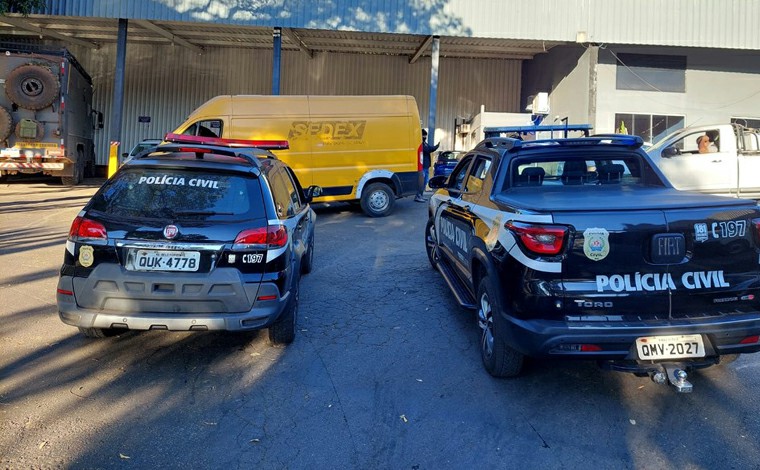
{"points": [[705, 144]]}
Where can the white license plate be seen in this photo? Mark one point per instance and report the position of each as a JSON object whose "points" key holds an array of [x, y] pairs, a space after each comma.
{"points": [[670, 347], [154, 260]]}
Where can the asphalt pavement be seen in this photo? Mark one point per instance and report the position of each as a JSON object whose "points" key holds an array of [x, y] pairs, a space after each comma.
{"points": [[384, 373]]}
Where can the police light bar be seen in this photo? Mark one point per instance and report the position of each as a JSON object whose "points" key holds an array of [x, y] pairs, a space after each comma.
{"points": [[232, 143]]}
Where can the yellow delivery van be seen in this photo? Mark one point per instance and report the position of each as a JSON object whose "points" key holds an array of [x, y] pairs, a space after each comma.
{"points": [[357, 148]]}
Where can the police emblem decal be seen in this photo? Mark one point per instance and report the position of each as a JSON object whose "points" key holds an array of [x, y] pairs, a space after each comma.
{"points": [[86, 256], [596, 244]]}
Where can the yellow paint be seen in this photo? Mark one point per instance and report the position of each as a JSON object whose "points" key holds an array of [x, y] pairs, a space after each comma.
{"points": [[334, 140], [113, 159], [36, 145]]}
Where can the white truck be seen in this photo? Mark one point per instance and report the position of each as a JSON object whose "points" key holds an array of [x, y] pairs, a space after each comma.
{"points": [[46, 116], [727, 163]]}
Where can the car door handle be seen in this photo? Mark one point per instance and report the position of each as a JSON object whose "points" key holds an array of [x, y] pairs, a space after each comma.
{"points": [[717, 161]]}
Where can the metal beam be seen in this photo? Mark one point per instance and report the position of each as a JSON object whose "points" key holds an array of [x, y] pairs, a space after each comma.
{"points": [[168, 35], [276, 59], [295, 39], [433, 89], [24, 24], [421, 49]]}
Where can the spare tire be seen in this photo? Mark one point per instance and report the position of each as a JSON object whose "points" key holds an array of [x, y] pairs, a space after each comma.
{"points": [[6, 123], [32, 86], [29, 129]]}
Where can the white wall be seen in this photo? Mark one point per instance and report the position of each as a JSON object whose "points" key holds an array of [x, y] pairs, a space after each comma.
{"points": [[719, 85]]}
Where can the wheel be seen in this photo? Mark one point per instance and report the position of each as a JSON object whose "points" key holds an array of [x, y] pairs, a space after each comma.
{"points": [[6, 123], [284, 330], [728, 358], [430, 243], [307, 261], [32, 86], [99, 332], [74, 179], [499, 359], [377, 200], [29, 130]]}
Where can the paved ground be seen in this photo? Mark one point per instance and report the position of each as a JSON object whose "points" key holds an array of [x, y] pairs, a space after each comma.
{"points": [[385, 373]]}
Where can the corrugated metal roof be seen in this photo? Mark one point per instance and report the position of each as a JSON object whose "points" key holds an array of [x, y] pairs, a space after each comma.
{"points": [[469, 28], [100, 31], [690, 23]]}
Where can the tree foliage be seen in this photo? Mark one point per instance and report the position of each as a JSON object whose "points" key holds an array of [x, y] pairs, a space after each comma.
{"points": [[20, 6]]}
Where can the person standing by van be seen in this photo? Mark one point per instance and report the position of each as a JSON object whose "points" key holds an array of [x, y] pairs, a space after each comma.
{"points": [[427, 150]]}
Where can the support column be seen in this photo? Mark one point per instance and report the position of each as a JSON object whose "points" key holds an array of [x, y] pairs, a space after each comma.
{"points": [[433, 88], [276, 59], [118, 98]]}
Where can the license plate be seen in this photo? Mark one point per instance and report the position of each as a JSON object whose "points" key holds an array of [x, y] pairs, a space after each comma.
{"points": [[153, 260], [670, 347]]}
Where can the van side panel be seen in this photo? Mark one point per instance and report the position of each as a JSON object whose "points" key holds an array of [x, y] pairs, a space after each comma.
{"points": [[354, 136], [276, 118]]}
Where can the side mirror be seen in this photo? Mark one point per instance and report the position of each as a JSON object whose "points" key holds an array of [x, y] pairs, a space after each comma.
{"points": [[124, 155], [668, 152], [437, 182], [311, 192]]}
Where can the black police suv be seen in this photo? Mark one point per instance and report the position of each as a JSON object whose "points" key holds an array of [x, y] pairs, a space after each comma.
{"points": [[198, 234], [580, 248]]}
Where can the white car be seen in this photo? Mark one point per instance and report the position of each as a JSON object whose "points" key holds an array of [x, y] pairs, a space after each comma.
{"points": [[144, 145]]}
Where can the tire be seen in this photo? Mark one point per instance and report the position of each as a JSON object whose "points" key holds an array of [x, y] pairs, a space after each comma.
{"points": [[6, 123], [283, 331], [39, 134], [431, 243], [100, 332], [32, 86], [499, 359], [378, 200], [307, 260], [76, 178], [728, 358]]}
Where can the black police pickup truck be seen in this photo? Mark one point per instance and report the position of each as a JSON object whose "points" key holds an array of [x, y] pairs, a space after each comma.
{"points": [[580, 248]]}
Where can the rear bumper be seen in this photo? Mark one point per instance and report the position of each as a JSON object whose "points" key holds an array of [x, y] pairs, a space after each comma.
{"points": [[543, 338], [262, 315]]}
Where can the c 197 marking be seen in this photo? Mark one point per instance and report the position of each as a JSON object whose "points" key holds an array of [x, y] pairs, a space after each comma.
{"points": [[253, 258]]}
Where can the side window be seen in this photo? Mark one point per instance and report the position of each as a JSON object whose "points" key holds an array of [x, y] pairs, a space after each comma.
{"points": [[699, 142], [279, 193], [294, 201], [457, 176], [478, 175], [209, 128]]}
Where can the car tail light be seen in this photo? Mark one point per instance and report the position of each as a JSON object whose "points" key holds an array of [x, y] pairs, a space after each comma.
{"points": [[274, 236], [419, 161], [539, 239], [83, 228], [750, 340]]}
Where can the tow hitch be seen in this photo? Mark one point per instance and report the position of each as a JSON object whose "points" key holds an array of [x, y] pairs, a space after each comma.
{"points": [[674, 374]]}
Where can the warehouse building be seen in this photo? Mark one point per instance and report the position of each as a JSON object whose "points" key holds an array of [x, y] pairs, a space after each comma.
{"points": [[640, 67]]}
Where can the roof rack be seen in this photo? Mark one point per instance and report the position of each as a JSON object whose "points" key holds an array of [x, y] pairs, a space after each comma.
{"points": [[232, 143], [508, 131]]}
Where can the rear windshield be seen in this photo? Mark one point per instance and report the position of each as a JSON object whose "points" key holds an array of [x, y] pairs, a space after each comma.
{"points": [[179, 194], [577, 170]]}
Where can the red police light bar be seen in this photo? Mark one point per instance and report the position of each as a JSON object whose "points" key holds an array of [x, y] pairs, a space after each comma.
{"points": [[232, 143]]}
